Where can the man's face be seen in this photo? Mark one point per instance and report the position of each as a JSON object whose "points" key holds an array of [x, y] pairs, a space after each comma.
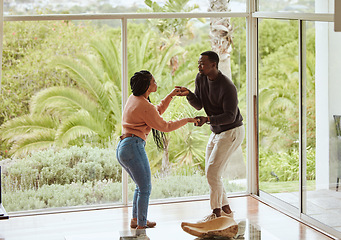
{"points": [[205, 66]]}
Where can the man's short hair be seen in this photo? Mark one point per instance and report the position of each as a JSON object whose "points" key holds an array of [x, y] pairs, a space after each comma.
{"points": [[212, 56]]}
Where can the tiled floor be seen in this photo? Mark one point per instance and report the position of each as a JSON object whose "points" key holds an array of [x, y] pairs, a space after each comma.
{"points": [[322, 205]]}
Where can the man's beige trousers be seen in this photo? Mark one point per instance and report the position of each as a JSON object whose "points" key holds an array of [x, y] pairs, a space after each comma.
{"points": [[219, 149]]}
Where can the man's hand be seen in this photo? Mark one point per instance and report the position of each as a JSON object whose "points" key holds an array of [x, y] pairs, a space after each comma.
{"points": [[201, 121], [175, 92], [183, 91]]}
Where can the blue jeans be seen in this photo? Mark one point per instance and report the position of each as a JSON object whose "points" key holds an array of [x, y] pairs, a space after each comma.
{"points": [[131, 154]]}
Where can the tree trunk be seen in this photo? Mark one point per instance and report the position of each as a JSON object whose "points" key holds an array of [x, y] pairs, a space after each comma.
{"points": [[221, 42], [165, 159], [221, 35]]}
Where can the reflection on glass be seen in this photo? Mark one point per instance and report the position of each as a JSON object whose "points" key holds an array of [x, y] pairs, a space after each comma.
{"points": [[60, 116], [246, 231], [279, 109]]}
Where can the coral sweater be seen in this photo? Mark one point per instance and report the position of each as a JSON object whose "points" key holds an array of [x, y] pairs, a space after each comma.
{"points": [[140, 116]]}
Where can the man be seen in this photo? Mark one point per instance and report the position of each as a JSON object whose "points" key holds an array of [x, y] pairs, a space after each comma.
{"points": [[217, 94]]}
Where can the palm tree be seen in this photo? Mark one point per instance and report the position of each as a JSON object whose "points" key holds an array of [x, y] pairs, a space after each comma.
{"points": [[189, 141], [278, 98], [65, 114], [186, 145], [221, 35], [93, 110], [172, 27], [29, 132]]}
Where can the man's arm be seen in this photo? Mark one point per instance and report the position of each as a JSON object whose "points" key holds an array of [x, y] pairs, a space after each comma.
{"points": [[191, 97], [202, 120]]}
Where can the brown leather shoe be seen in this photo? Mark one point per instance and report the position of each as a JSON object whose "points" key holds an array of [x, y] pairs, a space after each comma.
{"points": [[133, 224]]}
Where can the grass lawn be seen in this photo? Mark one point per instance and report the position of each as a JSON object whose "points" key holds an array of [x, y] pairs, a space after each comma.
{"points": [[290, 186]]}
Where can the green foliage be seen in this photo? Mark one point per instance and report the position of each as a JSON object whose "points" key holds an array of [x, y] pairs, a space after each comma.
{"points": [[93, 110], [174, 26], [27, 51], [84, 175], [270, 39], [291, 186], [104, 191], [186, 146], [42, 133], [56, 195], [79, 103], [153, 53], [284, 166], [29, 48], [179, 186], [279, 86], [73, 165]]}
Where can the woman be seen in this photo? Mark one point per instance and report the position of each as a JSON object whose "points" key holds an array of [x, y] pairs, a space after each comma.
{"points": [[139, 118]]}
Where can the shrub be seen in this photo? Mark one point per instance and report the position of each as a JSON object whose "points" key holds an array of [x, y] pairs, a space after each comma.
{"points": [[284, 166], [73, 165], [104, 191], [56, 195]]}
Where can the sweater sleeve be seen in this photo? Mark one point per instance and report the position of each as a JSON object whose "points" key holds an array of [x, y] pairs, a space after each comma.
{"points": [[154, 120], [163, 105], [194, 98]]}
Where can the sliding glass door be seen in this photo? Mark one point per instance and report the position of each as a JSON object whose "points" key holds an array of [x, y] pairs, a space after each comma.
{"points": [[279, 109]]}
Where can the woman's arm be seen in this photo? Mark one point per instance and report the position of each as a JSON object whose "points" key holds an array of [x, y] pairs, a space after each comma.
{"points": [[163, 105], [154, 120]]}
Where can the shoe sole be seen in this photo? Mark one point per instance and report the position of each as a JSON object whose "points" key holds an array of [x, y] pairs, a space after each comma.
{"points": [[221, 227]]}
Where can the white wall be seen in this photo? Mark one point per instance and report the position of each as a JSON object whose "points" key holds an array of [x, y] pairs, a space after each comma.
{"points": [[334, 96], [328, 96]]}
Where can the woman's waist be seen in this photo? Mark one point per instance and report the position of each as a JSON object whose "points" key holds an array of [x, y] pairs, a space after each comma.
{"points": [[130, 133]]}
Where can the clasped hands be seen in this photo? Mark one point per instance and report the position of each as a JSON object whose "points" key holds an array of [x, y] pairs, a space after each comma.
{"points": [[179, 91], [183, 91]]}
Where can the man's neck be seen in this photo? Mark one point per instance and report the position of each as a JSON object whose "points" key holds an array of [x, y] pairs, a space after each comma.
{"points": [[213, 76]]}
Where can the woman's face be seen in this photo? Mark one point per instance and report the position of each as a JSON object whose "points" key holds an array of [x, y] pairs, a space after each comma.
{"points": [[153, 85]]}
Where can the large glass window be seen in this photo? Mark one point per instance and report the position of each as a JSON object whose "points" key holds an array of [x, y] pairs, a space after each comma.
{"points": [[62, 85], [61, 102], [170, 52], [60, 114], [279, 109], [280, 158], [323, 196]]}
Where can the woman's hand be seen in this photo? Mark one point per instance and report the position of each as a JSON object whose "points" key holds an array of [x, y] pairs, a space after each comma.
{"points": [[202, 120], [193, 120], [183, 91], [175, 92]]}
